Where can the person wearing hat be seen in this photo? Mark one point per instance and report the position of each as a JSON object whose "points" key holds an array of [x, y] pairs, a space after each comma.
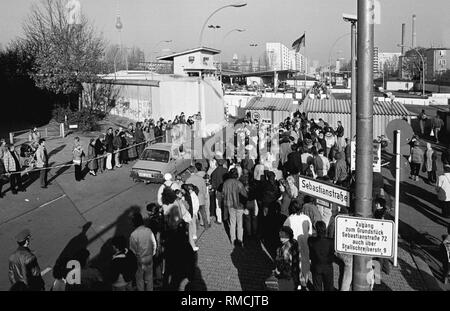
{"points": [[23, 264]]}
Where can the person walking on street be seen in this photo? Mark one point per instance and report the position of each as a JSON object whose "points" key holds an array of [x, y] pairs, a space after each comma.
{"points": [[92, 161], [436, 126], [99, 152], [109, 145], [443, 191], [78, 154], [13, 168], [42, 162], [123, 267], [232, 190], [287, 261], [430, 165], [321, 250], [143, 245], [302, 227], [340, 136], [117, 143], [416, 160], [422, 122], [139, 139], [23, 264], [380, 212], [198, 180]]}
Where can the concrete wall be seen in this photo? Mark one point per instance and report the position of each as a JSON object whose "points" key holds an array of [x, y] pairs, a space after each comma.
{"points": [[171, 98], [136, 102], [399, 85]]}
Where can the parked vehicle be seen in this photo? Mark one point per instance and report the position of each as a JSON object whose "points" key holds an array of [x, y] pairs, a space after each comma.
{"points": [[159, 159]]}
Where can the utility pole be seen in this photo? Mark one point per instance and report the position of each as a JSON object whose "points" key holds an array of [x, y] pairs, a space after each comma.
{"points": [[354, 80], [362, 266]]}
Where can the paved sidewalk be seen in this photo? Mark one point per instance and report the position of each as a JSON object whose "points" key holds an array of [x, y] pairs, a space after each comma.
{"points": [[224, 268]]}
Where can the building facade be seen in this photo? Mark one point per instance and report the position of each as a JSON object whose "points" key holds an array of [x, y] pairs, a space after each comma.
{"points": [[437, 62], [197, 62], [278, 56]]}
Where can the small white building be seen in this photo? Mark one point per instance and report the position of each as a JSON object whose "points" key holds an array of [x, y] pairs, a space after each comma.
{"points": [[198, 62]]}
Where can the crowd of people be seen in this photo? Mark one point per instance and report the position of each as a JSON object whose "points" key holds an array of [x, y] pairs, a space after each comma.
{"points": [[255, 195], [108, 151]]}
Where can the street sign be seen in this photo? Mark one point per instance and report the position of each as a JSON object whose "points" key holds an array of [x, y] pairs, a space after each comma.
{"points": [[364, 237], [324, 191], [406, 134], [376, 156]]}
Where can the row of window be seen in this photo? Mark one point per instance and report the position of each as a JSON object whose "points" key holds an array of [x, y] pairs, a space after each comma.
{"points": [[205, 60]]}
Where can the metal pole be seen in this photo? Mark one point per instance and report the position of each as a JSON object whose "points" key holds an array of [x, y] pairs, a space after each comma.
{"points": [[354, 81], [362, 266], [397, 194]]}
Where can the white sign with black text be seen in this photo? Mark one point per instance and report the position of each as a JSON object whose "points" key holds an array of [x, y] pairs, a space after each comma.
{"points": [[364, 237], [324, 191]]}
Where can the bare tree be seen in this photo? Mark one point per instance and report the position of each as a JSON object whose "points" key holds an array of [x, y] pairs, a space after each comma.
{"points": [[65, 55]]}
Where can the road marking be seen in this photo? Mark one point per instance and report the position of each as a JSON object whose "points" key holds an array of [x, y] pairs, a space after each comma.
{"points": [[45, 271], [32, 210], [52, 201]]}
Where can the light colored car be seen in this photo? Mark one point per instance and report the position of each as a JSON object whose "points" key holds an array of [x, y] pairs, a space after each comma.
{"points": [[159, 159]]}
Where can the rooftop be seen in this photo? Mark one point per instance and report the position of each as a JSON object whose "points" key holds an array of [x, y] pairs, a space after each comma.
{"points": [[267, 103], [344, 106], [170, 57]]}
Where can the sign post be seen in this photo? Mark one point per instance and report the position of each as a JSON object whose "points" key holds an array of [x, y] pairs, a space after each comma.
{"points": [[364, 237], [397, 193]]}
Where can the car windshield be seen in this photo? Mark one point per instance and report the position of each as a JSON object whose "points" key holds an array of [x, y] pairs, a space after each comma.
{"points": [[155, 155]]}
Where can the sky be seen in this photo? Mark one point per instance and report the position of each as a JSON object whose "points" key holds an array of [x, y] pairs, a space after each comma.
{"points": [[147, 22]]}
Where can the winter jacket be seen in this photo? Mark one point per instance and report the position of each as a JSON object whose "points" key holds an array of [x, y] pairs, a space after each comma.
{"points": [[232, 188], [198, 180], [340, 168], [123, 264], [417, 155], [11, 161], [24, 267], [217, 177], [143, 245], [41, 157], [109, 143], [294, 163]]}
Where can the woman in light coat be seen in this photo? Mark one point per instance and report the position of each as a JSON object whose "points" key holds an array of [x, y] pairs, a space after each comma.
{"points": [[430, 164], [443, 191]]}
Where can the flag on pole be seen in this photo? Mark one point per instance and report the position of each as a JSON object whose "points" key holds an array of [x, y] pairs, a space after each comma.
{"points": [[299, 43]]}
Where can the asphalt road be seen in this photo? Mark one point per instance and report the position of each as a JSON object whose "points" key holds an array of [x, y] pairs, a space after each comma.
{"points": [[57, 214]]}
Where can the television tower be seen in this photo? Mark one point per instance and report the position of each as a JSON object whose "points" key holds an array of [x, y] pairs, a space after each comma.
{"points": [[119, 26]]}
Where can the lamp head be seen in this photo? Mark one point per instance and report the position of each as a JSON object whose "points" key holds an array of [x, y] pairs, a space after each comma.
{"points": [[239, 5], [350, 18]]}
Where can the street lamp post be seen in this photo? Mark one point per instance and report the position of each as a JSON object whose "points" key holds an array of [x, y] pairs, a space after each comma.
{"points": [[211, 15], [353, 20], [223, 40], [331, 51], [423, 66]]}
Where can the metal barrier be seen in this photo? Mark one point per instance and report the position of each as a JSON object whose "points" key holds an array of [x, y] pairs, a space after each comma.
{"points": [[23, 136]]}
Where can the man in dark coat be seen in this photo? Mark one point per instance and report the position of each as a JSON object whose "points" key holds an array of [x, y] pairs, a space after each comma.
{"points": [[294, 161], [23, 264], [321, 253]]}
